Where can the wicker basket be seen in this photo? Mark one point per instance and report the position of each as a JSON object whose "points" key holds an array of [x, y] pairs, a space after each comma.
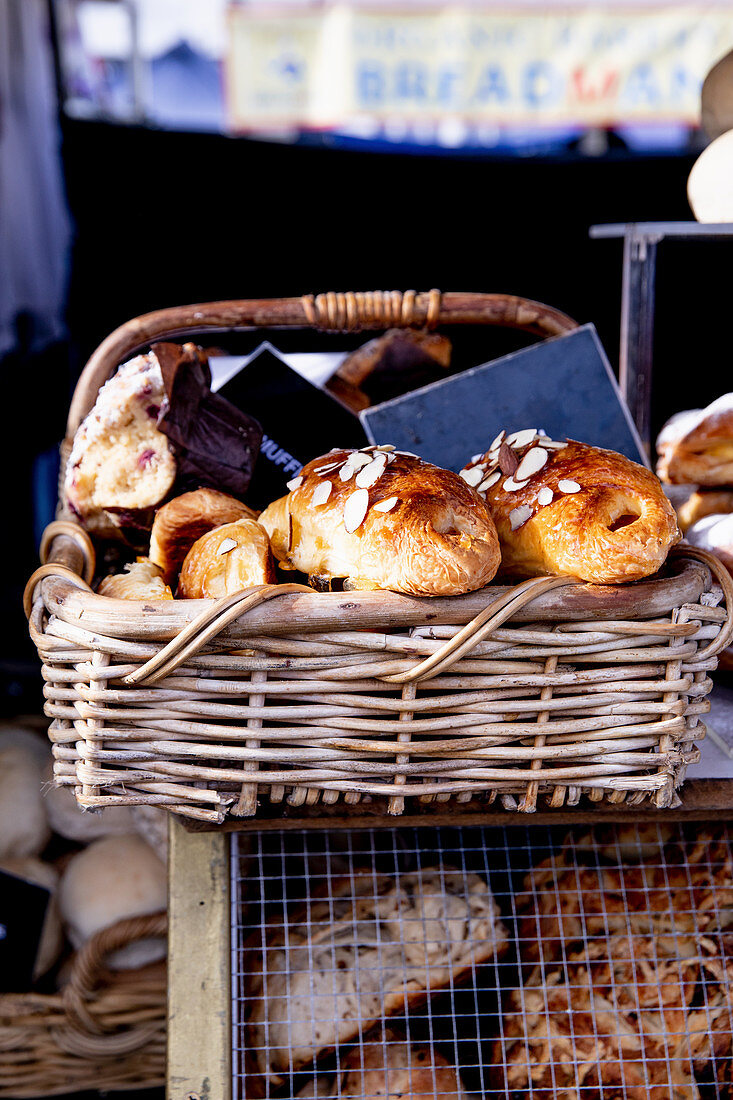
{"points": [[551, 688], [105, 1030]]}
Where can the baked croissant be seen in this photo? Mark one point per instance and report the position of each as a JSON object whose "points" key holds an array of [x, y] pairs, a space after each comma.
{"points": [[142, 580], [228, 559], [183, 520], [571, 509], [384, 519], [696, 447]]}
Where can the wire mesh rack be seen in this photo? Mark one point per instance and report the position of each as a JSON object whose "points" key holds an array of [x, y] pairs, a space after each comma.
{"points": [[483, 962]]}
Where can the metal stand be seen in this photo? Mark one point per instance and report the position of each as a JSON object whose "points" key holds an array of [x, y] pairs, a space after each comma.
{"points": [[637, 304]]}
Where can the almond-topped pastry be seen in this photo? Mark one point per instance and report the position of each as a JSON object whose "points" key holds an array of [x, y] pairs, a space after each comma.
{"points": [[563, 507], [231, 558], [382, 518]]}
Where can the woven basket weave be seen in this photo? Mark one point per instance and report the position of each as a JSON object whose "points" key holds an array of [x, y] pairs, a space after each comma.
{"points": [[551, 688], [105, 1030]]}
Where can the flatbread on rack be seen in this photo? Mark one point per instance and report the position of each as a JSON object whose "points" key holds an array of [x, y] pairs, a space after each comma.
{"points": [[378, 945]]}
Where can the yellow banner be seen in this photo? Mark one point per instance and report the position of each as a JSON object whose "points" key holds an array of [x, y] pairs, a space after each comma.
{"points": [[334, 66]]}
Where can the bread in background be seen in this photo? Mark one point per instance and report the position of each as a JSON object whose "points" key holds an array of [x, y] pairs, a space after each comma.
{"points": [[142, 580]]}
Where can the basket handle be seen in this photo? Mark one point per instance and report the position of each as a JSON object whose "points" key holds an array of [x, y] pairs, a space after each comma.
{"points": [[88, 965], [332, 312]]}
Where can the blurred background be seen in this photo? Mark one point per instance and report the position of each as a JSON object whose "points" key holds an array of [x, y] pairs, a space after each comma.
{"points": [[157, 152]]}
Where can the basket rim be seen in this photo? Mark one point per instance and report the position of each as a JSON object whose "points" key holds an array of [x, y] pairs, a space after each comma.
{"points": [[313, 612]]}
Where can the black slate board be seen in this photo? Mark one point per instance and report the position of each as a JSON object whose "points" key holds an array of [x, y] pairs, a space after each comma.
{"points": [[564, 386], [299, 422]]}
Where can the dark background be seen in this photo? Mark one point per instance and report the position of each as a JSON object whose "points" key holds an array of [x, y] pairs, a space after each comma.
{"points": [[164, 218]]}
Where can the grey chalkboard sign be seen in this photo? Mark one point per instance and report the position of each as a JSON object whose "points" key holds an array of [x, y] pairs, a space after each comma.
{"points": [[564, 386]]}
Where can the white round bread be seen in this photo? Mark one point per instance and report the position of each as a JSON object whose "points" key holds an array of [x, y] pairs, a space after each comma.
{"points": [[710, 183], [114, 878], [24, 828], [66, 817]]}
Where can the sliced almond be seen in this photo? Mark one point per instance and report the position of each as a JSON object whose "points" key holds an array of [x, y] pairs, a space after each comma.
{"points": [[321, 493], [521, 439], [407, 454], [567, 486], [386, 505], [508, 460], [476, 457], [489, 481], [511, 486], [385, 447], [545, 496], [359, 459], [519, 515], [472, 475], [347, 471], [371, 473], [355, 509], [295, 483], [498, 441], [533, 461], [226, 545], [553, 444], [321, 470]]}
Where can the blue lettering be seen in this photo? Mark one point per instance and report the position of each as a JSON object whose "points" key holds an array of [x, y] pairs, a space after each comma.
{"points": [[411, 81], [492, 85], [447, 92], [642, 86], [541, 84], [370, 83]]}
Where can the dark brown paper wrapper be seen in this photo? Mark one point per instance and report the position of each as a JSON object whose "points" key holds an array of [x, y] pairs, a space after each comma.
{"points": [[216, 443]]}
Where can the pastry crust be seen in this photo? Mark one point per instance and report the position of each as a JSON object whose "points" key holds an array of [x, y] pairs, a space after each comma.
{"points": [[183, 520], [231, 558], [606, 519], [390, 1067], [708, 502], [696, 447], [142, 580], [435, 536]]}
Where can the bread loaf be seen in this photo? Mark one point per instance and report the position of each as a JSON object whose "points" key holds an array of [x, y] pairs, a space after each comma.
{"points": [[384, 519], [376, 944], [562, 507], [389, 1067]]}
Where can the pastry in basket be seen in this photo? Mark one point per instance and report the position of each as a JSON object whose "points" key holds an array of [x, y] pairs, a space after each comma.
{"points": [[714, 533], [382, 518], [389, 1066], [183, 520], [702, 503], [142, 580], [121, 465], [563, 507], [375, 947], [696, 447], [228, 559]]}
